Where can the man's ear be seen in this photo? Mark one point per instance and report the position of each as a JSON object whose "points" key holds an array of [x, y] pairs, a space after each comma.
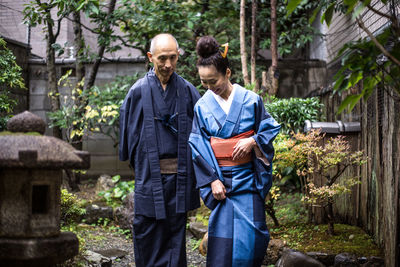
{"points": [[150, 56]]}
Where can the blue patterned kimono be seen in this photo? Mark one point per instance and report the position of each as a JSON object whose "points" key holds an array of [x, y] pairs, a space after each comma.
{"points": [[237, 234]]}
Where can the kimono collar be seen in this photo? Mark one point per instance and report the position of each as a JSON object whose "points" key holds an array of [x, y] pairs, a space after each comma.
{"points": [[172, 80], [227, 121], [152, 149]]}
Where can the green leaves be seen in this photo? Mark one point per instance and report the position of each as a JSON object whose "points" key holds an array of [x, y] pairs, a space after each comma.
{"points": [[351, 101], [115, 195], [293, 112], [10, 77], [328, 14], [11, 73], [362, 61], [292, 5], [98, 110]]}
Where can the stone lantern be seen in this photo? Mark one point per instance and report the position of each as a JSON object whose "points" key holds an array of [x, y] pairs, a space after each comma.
{"points": [[30, 179]]}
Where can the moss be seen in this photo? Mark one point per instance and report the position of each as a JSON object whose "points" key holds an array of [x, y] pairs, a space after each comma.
{"points": [[4, 133], [306, 237]]}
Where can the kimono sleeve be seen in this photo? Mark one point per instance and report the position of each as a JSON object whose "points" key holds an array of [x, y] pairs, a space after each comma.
{"points": [[203, 157], [130, 121], [266, 131], [204, 163]]}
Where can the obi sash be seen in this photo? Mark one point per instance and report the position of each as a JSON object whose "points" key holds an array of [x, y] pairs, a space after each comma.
{"points": [[223, 149]]}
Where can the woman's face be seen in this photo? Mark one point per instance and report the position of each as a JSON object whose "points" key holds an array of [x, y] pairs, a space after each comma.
{"points": [[215, 81]]}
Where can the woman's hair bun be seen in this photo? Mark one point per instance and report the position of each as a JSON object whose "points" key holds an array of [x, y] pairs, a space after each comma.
{"points": [[207, 46]]}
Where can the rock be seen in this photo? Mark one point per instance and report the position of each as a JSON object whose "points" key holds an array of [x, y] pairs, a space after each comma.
{"points": [[274, 251], [373, 262], [327, 259], [203, 245], [95, 212], [26, 122], [198, 229], [362, 260], [113, 253], [104, 183], [293, 258], [346, 260], [124, 215], [96, 260]]}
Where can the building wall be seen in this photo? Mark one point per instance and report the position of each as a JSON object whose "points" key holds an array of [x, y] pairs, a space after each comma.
{"points": [[11, 26], [344, 29]]}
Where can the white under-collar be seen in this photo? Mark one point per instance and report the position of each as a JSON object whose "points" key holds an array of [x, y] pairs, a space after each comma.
{"points": [[225, 104]]}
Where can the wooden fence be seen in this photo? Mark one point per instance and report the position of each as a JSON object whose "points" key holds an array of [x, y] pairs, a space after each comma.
{"points": [[375, 203]]}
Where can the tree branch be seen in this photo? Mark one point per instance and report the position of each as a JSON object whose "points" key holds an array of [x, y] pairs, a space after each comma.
{"points": [[337, 175], [391, 18], [380, 47], [58, 28], [100, 53], [123, 41]]}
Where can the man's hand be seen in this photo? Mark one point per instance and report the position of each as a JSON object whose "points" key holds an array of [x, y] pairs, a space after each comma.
{"points": [[218, 190], [243, 148]]}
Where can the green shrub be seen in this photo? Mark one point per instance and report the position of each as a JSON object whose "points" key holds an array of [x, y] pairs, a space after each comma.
{"points": [[98, 111], [287, 161], [291, 113], [71, 210], [114, 196], [10, 77]]}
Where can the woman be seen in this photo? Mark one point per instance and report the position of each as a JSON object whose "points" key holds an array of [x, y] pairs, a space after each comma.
{"points": [[231, 143]]}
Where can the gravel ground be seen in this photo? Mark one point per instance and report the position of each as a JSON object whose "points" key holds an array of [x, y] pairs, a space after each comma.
{"points": [[100, 239]]}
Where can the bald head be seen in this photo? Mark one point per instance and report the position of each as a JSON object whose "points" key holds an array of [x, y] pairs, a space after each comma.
{"points": [[164, 56], [161, 39]]}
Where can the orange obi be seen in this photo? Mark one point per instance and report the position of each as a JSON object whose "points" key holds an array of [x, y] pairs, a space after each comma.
{"points": [[223, 149]]}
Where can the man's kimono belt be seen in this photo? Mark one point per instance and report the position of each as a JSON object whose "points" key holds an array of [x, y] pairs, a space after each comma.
{"points": [[223, 149], [169, 166]]}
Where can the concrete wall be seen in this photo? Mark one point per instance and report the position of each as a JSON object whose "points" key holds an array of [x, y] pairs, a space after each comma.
{"points": [[104, 157]]}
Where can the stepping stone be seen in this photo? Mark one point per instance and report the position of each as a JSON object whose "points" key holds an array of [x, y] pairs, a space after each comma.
{"points": [[112, 253], [97, 260]]}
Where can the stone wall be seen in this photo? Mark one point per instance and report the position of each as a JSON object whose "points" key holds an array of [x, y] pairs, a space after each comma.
{"points": [[104, 157]]}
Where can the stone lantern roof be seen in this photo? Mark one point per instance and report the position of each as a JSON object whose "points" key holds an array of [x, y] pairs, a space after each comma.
{"points": [[20, 148]]}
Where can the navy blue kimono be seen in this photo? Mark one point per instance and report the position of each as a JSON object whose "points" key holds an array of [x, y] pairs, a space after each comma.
{"points": [[155, 124]]}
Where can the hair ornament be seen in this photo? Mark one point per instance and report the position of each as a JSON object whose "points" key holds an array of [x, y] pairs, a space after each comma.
{"points": [[226, 46]]}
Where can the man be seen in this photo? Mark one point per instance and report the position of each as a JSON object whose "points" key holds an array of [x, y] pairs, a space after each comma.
{"points": [[155, 123]]}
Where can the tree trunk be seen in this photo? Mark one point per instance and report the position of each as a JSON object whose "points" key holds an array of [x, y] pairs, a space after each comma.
{"points": [[80, 72], [271, 212], [52, 76], [329, 213], [272, 71], [100, 53], [253, 51], [79, 43], [243, 53]]}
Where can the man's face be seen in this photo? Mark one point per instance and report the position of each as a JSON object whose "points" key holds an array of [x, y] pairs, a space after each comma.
{"points": [[164, 58]]}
